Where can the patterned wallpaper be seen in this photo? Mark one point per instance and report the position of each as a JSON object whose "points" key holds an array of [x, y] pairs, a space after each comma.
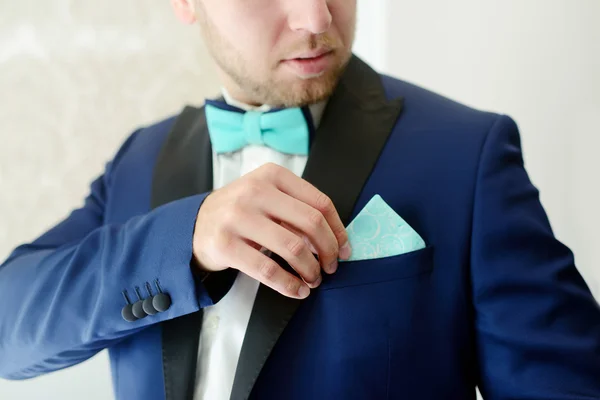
{"points": [[76, 77]]}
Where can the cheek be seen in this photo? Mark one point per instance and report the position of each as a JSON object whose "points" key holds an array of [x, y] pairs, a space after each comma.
{"points": [[249, 26], [344, 19]]}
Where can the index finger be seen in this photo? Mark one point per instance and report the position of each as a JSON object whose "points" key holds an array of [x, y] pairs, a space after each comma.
{"points": [[299, 188]]}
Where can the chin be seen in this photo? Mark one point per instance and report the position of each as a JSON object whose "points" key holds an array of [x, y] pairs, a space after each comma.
{"points": [[302, 92]]}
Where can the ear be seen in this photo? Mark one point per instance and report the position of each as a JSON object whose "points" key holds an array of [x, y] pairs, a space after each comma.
{"points": [[185, 10]]}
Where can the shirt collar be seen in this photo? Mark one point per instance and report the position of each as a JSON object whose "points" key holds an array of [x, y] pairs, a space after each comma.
{"points": [[316, 110]]}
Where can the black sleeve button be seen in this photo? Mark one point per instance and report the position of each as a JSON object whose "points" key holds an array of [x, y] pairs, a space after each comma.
{"points": [[162, 301], [147, 304], [127, 311], [138, 309]]}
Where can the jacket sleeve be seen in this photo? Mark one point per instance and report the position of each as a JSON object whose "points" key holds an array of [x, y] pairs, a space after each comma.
{"points": [[61, 296], [537, 324]]}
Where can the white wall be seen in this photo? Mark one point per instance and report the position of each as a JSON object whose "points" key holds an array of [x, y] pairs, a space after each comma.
{"points": [[76, 77], [535, 60]]}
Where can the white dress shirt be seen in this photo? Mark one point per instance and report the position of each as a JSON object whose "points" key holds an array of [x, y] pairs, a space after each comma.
{"points": [[224, 324]]}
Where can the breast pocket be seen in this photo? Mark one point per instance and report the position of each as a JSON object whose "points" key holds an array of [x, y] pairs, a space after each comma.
{"points": [[366, 272], [356, 317]]}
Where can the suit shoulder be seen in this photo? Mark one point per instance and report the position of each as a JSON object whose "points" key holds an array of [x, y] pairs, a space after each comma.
{"points": [[156, 130], [149, 138], [143, 145], [434, 110]]}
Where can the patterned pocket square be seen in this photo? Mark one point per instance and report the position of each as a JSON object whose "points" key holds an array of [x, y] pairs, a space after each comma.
{"points": [[377, 232]]}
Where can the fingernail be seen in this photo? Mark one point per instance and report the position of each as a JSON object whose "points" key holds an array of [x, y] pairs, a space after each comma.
{"points": [[333, 267], [304, 291], [345, 251], [318, 281]]}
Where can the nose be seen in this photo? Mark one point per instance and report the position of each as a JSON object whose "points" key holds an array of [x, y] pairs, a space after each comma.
{"points": [[312, 16]]}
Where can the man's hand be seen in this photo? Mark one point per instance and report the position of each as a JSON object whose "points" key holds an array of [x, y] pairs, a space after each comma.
{"points": [[273, 208]]}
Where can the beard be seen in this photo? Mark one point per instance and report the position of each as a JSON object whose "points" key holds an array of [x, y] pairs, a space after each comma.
{"points": [[265, 87]]}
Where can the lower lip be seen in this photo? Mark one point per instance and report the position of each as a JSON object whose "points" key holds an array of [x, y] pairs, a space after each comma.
{"points": [[310, 67]]}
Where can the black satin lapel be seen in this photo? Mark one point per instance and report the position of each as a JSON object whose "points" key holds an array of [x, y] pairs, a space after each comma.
{"points": [[184, 168], [184, 165], [354, 129], [356, 124]]}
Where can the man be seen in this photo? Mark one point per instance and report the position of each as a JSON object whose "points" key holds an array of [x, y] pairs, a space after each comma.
{"points": [[193, 258]]}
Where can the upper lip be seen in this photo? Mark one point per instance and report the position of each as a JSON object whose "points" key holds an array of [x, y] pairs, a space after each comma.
{"points": [[310, 54]]}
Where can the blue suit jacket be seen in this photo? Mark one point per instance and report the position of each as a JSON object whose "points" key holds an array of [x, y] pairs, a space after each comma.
{"points": [[494, 300]]}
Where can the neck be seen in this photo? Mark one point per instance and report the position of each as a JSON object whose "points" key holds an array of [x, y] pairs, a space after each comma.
{"points": [[239, 97], [232, 91], [229, 99]]}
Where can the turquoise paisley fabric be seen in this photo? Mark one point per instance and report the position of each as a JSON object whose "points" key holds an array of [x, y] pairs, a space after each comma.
{"points": [[378, 231]]}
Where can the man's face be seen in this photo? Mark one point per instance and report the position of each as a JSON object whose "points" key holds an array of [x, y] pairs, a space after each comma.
{"points": [[278, 52]]}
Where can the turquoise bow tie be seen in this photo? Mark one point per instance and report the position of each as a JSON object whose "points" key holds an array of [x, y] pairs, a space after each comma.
{"points": [[285, 130]]}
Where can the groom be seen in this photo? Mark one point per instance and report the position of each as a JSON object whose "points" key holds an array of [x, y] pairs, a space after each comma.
{"points": [[319, 232]]}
